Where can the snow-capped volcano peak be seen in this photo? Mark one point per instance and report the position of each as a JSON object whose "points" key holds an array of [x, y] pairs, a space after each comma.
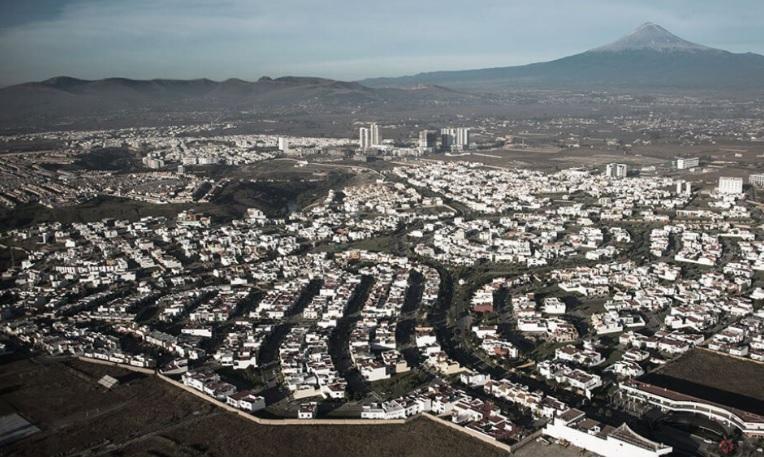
{"points": [[649, 36]]}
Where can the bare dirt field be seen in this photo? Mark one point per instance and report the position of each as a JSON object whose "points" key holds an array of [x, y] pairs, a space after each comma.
{"points": [[703, 367], [144, 416], [547, 447], [728, 159], [697, 373], [550, 159]]}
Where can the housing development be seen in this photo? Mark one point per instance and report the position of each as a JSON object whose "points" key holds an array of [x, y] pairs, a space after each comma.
{"points": [[513, 303]]}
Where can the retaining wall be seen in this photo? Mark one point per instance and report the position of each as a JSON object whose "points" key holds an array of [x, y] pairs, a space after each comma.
{"points": [[315, 421]]}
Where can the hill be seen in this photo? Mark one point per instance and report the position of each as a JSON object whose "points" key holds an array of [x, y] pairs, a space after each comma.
{"points": [[58, 100]]}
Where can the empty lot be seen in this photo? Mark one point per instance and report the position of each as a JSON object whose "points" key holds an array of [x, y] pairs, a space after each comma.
{"points": [[144, 416]]}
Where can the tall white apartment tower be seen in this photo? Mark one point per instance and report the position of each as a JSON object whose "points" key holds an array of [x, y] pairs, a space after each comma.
{"points": [[424, 141], [284, 144], [462, 137], [374, 134], [616, 170], [456, 137], [683, 188], [364, 138]]}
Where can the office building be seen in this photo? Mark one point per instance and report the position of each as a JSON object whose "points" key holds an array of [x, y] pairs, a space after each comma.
{"points": [[427, 141], [730, 185], [153, 163], [446, 139], [757, 180], [683, 163]]}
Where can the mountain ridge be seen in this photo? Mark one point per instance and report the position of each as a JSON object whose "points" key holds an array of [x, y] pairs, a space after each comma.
{"points": [[55, 99]]}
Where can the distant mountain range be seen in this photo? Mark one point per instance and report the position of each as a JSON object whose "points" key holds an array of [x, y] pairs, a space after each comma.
{"points": [[58, 98], [286, 94], [649, 57]]}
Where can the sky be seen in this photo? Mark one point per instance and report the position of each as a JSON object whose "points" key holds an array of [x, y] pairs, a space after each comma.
{"points": [[340, 39]]}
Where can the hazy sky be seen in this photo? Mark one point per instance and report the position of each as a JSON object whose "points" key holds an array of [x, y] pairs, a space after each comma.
{"points": [[343, 39]]}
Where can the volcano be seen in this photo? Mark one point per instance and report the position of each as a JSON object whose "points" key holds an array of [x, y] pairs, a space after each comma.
{"points": [[649, 57]]}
